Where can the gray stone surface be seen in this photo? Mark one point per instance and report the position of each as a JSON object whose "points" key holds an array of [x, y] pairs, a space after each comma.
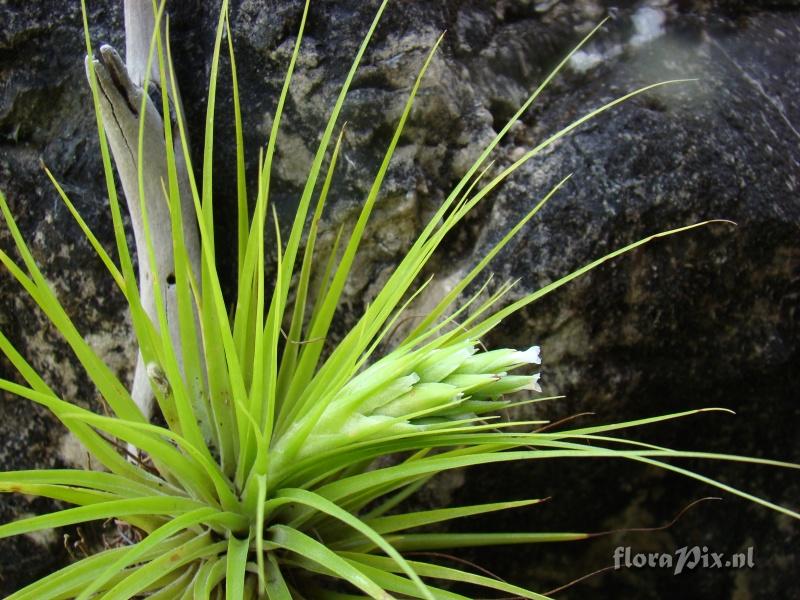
{"points": [[707, 319]]}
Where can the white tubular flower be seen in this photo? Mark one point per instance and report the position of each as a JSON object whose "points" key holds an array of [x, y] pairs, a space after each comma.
{"points": [[497, 361], [535, 384], [531, 356]]}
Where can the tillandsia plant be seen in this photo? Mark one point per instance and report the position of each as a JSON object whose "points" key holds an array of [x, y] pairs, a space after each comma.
{"points": [[266, 479]]}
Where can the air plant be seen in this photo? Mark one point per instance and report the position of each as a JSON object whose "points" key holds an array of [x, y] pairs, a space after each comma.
{"points": [[284, 459]]}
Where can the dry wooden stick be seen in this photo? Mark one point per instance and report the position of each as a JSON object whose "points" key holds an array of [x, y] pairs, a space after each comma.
{"points": [[120, 103]]}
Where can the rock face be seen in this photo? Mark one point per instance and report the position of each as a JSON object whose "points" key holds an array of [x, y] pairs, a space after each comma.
{"points": [[705, 319]]}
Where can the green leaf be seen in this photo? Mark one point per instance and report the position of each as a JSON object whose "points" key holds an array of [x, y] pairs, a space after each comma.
{"points": [[399, 522], [399, 584], [344, 357], [97, 447], [235, 567], [322, 505], [439, 541], [208, 577], [177, 588], [93, 480], [146, 506], [447, 574], [276, 586], [200, 547], [307, 547], [196, 470], [112, 390], [205, 516], [69, 581], [496, 318]]}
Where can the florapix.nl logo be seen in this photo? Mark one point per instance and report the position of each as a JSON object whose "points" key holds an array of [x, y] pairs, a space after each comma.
{"points": [[683, 559]]}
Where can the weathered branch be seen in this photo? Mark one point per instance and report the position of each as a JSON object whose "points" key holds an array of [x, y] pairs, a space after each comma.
{"points": [[120, 102], [139, 25]]}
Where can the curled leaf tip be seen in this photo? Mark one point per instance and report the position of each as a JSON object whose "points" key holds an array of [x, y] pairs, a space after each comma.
{"points": [[716, 409]]}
